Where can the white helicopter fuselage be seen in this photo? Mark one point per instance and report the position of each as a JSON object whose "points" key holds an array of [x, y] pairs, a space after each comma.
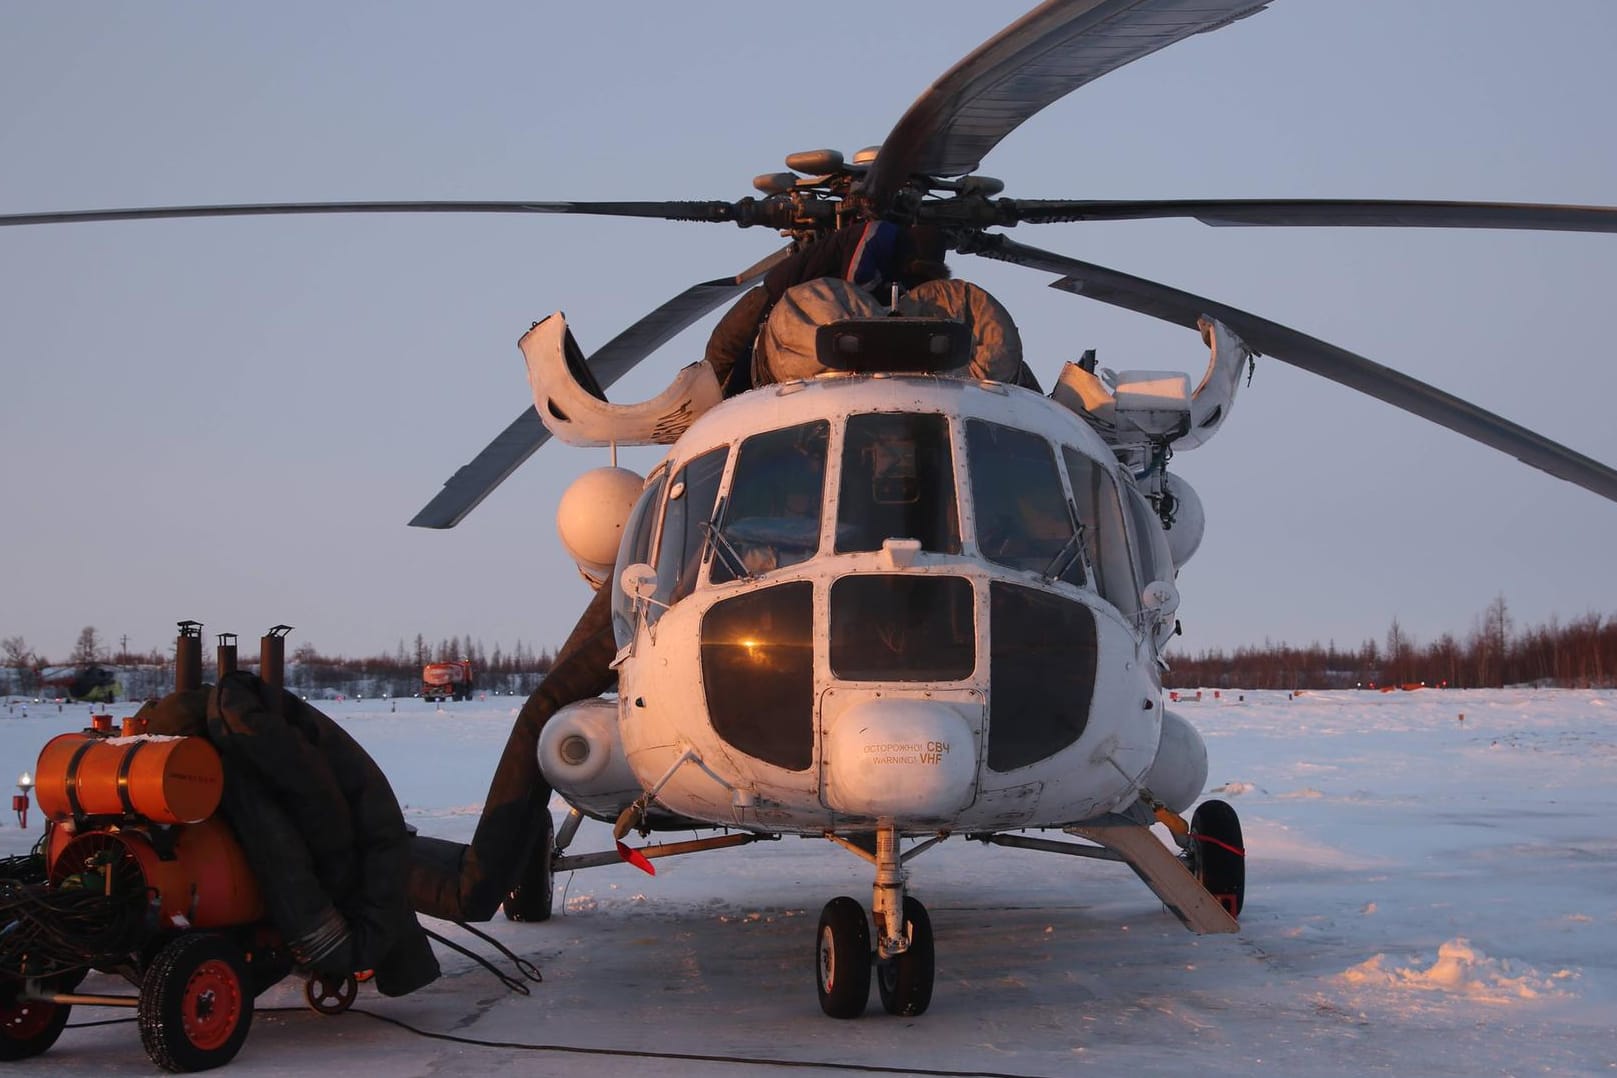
{"points": [[812, 673]]}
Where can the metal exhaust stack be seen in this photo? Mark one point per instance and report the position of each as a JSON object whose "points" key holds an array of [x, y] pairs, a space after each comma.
{"points": [[188, 657], [272, 656], [227, 655]]}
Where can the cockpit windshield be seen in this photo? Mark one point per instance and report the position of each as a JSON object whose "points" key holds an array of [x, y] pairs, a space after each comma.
{"points": [[1024, 520], [772, 514], [897, 483]]}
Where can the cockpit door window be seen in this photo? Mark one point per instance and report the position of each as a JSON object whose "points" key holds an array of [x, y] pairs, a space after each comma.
{"points": [[1106, 540], [635, 547], [692, 492]]}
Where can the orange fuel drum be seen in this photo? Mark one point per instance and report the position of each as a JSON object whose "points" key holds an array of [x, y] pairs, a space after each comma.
{"points": [[165, 780]]}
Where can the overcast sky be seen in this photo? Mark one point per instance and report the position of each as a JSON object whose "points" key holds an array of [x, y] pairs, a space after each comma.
{"points": [[232, 420]]}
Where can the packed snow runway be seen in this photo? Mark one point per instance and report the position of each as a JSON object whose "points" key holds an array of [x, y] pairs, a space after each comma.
{"points": [[1427, 894]]}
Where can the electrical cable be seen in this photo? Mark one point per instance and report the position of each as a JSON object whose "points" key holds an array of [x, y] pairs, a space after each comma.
{"points": [[631, 1053]]}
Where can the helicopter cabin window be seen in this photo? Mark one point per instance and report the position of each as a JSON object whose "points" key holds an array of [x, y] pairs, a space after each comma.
{"points": [[902, 628], [1105, 534], [687, 511], [758, 672], [1152, 558], [771, 516], [1024, 520], [897, 483], [1042, 672], [635, 547]]}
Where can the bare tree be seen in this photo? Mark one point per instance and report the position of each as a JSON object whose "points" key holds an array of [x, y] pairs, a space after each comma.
{"points": [[88, 651], [17, 652]]}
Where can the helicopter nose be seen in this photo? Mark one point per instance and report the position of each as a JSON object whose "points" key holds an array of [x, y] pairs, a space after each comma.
{"points": [[905, 759]]}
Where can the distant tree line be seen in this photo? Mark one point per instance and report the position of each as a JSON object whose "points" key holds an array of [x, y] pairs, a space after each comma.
{"points": [[1581, 653]]}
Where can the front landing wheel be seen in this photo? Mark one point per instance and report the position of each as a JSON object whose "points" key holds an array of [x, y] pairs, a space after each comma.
{"points": [[905, 981], [842, 958], [1220, 857]]}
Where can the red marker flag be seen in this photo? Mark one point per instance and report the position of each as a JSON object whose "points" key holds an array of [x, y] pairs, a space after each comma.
{"points": [[637, 859]]}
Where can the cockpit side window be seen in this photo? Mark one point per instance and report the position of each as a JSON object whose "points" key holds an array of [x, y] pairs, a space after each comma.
{"points": [[692, 493], [777, 493], [897, 483], [1105, 533], [634, 548], [1023, 518]]}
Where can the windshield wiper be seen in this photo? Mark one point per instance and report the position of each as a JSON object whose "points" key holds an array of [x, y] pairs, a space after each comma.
{"points": [[713, 536], [1069, 550]]}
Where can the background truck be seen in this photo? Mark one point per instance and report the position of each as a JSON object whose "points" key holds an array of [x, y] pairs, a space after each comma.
{"points": [[447, 681]]}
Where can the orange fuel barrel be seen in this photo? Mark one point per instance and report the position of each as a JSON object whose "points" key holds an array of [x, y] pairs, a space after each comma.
{"points": [[161, 779], [203, 882]]}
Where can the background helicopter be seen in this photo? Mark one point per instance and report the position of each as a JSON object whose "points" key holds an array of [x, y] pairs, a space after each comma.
{"points": [[884, 187]]}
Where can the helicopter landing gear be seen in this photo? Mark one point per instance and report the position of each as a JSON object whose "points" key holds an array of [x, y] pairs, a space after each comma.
{"points": [[905, 980], [1218, 854], [842, 958], [904, 953]]}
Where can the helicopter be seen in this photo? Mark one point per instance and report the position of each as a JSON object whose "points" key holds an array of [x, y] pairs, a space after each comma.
{"points": [[1126, 763]]}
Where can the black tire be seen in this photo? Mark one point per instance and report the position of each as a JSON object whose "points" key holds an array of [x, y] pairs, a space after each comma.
{"points": [[905, 981], [534, 896], [1220, 857], [28, 1029], [842, 958], [195, 1004]]}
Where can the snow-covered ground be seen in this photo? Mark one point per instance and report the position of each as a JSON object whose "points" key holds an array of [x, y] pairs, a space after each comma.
{"points": [[1427, 895]]}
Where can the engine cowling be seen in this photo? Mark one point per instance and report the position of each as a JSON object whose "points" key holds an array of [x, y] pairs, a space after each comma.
{"points": [[583, 760], [1179, 773]]}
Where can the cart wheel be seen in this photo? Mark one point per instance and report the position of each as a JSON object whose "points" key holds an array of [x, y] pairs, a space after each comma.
{"points": [[330, 995], [195, 1008], [28, 1028]]}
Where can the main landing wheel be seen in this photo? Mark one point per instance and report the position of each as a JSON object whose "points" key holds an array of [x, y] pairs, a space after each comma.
{"points": [[842, 958], [905, 981], [195, 1007], [1220, 853], [534, 896]]}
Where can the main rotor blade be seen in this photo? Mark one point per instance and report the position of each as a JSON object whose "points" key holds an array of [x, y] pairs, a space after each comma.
{"points": [[1038, 59], [672, 211], [1312, 212], [464, 490], [1311, 354]]}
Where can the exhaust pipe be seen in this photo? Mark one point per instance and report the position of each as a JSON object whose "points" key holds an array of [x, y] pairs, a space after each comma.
{"points": [[188, 657], [226, 661], [272, 657]]}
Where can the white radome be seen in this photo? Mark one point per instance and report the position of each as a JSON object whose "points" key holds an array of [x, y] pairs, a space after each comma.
{"points": [[591, 515]]}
